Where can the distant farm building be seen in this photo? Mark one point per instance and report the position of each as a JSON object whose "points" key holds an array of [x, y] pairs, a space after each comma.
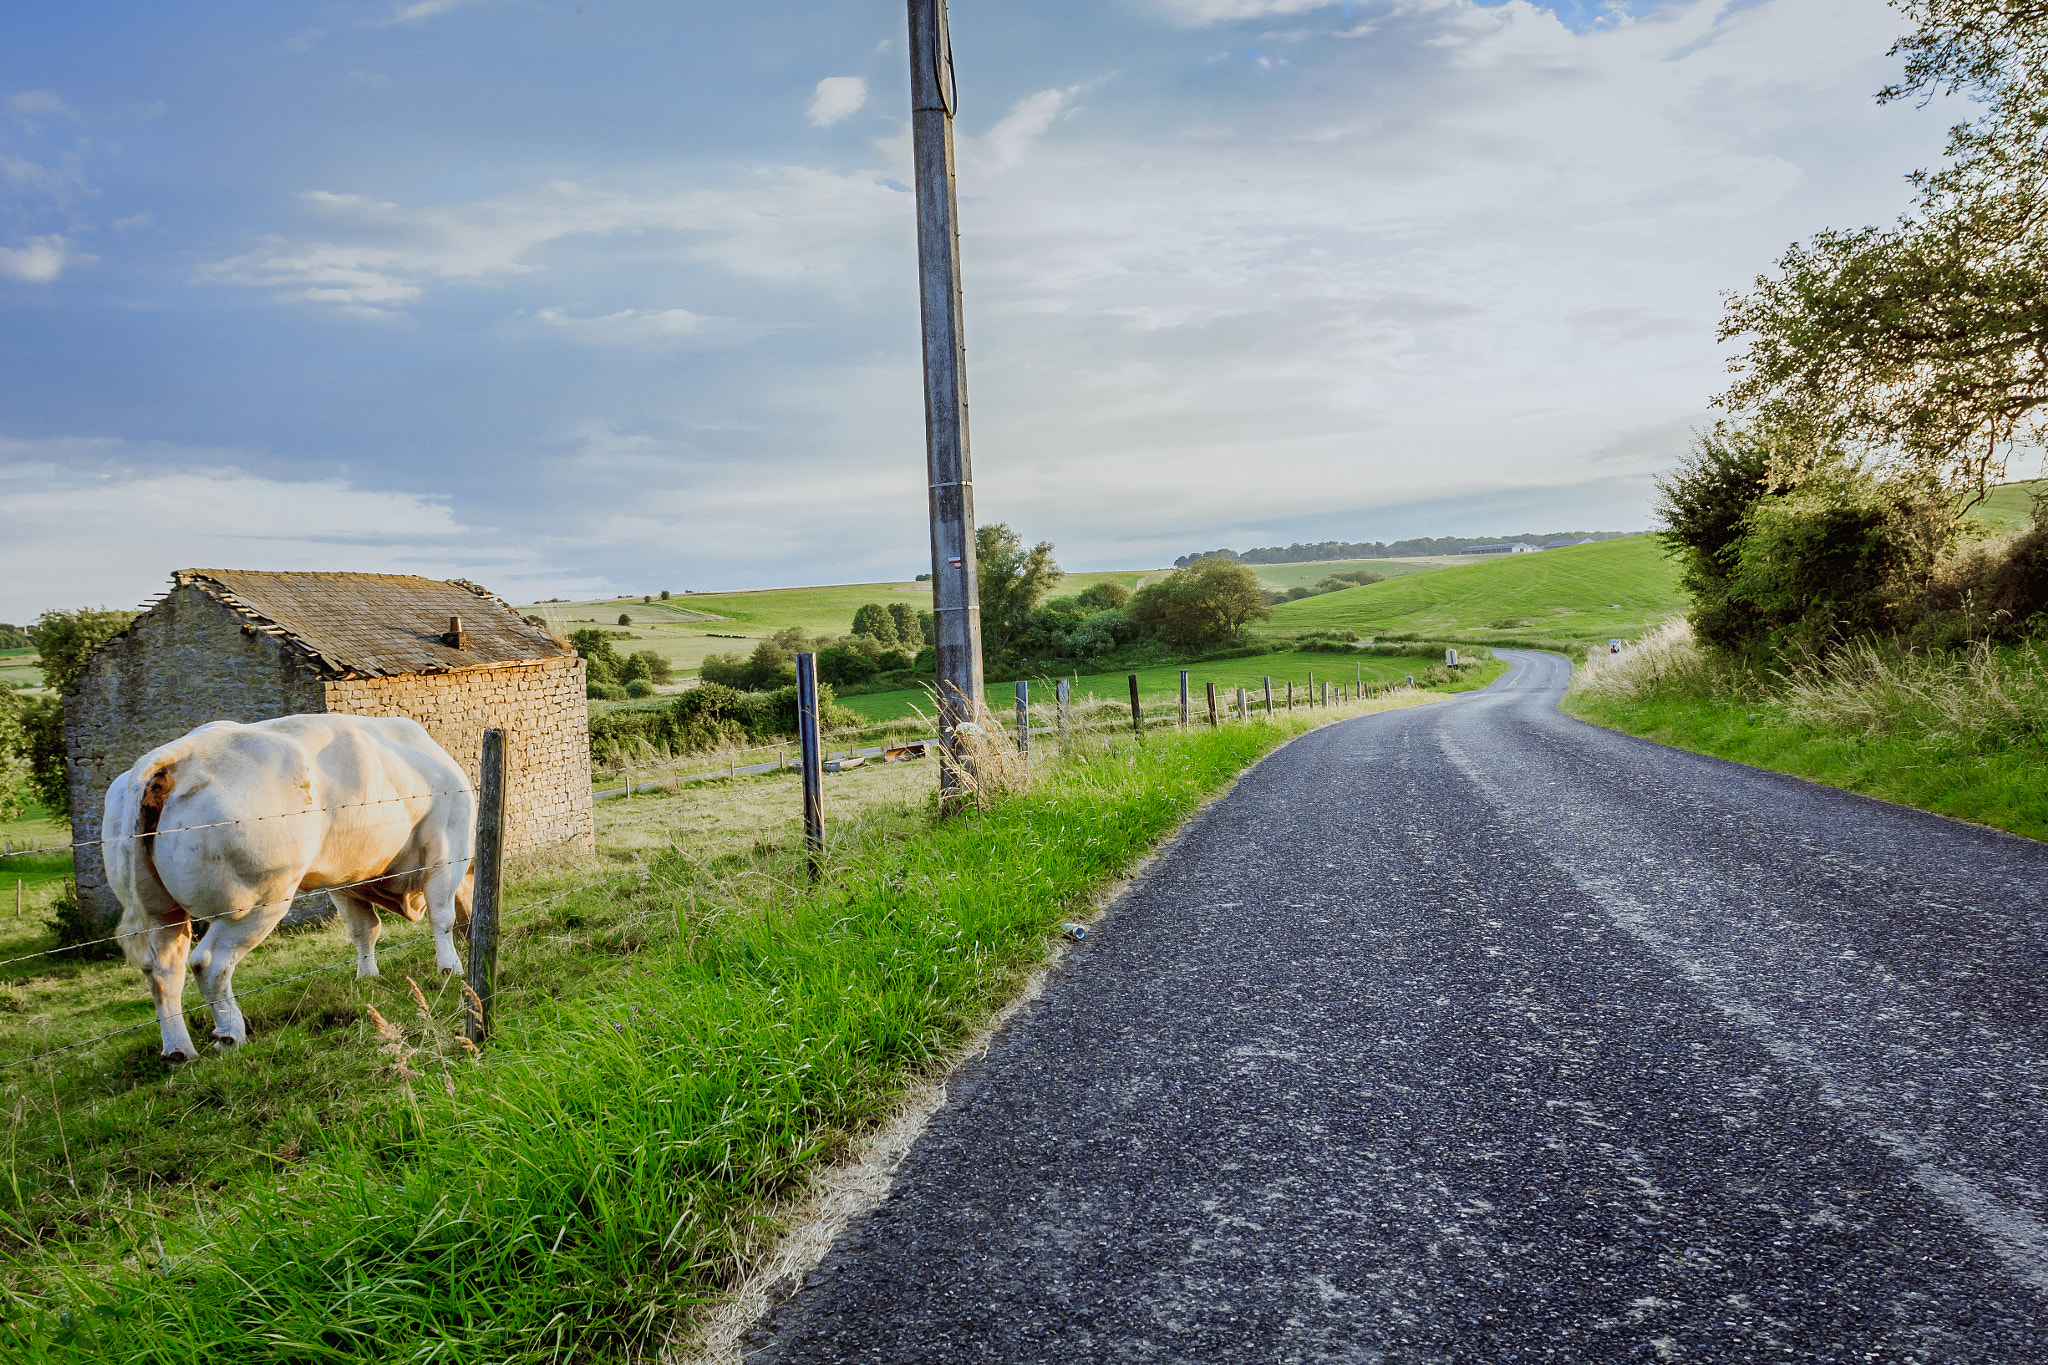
{"points": [[1517, 547], [248, 646]]}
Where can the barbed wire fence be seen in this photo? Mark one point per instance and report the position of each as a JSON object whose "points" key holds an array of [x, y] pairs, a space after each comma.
{"points": [[1064, 717]]}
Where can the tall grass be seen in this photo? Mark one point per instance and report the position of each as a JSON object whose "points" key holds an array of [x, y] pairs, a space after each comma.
{"points": [[605, 1166], [1961, 732]]}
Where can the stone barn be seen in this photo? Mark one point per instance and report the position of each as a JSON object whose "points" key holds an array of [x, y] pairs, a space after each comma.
{"points": [[240, 645]]}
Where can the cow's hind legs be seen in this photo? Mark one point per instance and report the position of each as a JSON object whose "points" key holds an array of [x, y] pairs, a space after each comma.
{"points": [[364, 926], [225, 944], [167, 944]]}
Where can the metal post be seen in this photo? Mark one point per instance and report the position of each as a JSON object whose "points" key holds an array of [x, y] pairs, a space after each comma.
{"points": [[1137, 711], [1213, 720], [814, 776], [956, 595], [1183, 699], [1269, 696], [1066, 718], [1024, 719], [487, 887]]}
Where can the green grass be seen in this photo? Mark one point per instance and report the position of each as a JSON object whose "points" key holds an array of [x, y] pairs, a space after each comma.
{"points": [[1162, 682], [2010, 507], [1999, 786], [609, 1163], [674, 629], [1575, 595], [1284, 576]]}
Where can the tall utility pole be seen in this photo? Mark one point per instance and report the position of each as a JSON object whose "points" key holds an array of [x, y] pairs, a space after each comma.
{"points": [[956, 592]]}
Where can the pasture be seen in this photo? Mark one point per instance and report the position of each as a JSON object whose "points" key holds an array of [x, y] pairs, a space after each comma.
{"points": [[2010, 506], [1573, 596], [1285, 576], [684, 630], [688, 1031], [19, 669]]}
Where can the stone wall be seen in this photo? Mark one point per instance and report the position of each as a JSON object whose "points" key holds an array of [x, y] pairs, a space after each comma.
{"points": [[190, 660], [183, 663], [541, 708]]}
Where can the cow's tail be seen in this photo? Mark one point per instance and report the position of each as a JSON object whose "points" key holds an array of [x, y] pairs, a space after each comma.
{"points": [[135, 807]]}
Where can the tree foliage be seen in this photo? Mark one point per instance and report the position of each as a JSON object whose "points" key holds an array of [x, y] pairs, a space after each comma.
{"points": [[1925, 344], [876, 620], [1208, 602], [1013, 582], [67, 640]]}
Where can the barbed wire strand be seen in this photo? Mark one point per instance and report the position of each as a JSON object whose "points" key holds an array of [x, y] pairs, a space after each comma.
{"points": [[208, 919], [392, 949], [223, 824]]}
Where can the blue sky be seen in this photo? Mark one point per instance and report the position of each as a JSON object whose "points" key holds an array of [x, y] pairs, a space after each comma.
{"points": [[619, 296]]}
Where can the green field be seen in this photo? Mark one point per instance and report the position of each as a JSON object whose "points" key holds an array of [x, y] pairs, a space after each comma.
{"points": [[2010, 507], [19, 668], [684, 630], [1285, 576], [1573, 595], [1159, 685]]}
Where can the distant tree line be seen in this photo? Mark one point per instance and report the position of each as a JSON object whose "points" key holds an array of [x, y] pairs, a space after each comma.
{"points": [[32, 728], [1299, 553]]}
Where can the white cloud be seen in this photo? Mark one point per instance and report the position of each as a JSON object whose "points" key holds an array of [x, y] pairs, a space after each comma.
{"points": [[417, 12], [33, 106], [836, 98], [1196, 13], [1007, 143], [41, 261]]}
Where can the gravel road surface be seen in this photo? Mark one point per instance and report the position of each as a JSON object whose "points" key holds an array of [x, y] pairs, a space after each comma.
{"points": [[1472, 1033]]}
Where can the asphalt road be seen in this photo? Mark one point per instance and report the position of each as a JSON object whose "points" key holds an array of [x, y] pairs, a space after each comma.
{"points": [[1472, 1033]]}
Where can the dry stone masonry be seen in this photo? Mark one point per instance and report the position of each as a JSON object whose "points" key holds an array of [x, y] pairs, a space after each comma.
{"points": [[249, 646]]}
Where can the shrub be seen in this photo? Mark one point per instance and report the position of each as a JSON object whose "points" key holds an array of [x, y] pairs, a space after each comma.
{"points": [[876, 620], [724, 670], [624, 619], [1108, 595], [42, 740], [78, 931], [1207, 603], [843, 666], [659, 669], [634, 669], [664, 594], [908, 633], [892, 661], [604, 691], [639, 688]]}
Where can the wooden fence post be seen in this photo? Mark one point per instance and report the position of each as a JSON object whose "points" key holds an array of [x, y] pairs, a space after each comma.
{"points": [[1269, 696], [1290, 696], [1024, 719], [814, 776], [1183, 699], [1066, 717], [1311, 687], [1214, 721], [1137, 710], [487, 888]]}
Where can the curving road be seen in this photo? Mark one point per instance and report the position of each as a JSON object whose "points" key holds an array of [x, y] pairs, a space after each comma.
{"points": [[1473, 1033]]}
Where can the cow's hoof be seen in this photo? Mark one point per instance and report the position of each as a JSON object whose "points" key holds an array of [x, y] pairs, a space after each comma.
{"points": [[225, 1043], [178, 1057]]}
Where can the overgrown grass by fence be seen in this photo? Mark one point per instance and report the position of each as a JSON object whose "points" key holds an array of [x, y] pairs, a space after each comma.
{"points": [[673, 1058], [1964, 733]]}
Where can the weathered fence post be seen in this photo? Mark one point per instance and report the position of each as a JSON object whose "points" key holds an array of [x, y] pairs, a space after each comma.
{"points": [[1311, 687], [1269, 696], [1137, 710], [487, 887], [1024, 719], [814, 776], [1244, 706], [1214, 720], [1183, 699], [1066, 718]]}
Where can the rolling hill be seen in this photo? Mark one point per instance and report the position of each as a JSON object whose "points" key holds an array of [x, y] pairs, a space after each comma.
{"points": [[1574, 595]]}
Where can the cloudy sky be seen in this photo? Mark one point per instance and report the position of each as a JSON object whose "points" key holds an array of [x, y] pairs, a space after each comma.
{"points": [[620, 296]]}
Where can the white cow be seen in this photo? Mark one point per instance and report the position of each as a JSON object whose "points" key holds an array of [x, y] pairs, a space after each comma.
{"points": [[225, 825]]}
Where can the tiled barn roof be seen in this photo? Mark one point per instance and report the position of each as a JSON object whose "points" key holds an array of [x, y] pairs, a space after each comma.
{"points": [[376, 624]]}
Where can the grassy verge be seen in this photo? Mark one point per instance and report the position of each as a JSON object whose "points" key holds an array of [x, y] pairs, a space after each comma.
{"points": [[679, 1052], [1962, 736]]}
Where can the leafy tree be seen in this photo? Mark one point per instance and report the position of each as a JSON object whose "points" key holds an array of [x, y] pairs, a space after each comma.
{"points": [[664, 594], [1013, 582], [67, 640], [14, 637], [875, 619], [634, 669], [1209, 601], [624, 619], [1108, 595], [908, 634], [42, 729], [928, 626], [658, 669], [17, 774], [1925, 345], [843, 666], [604, 663]]}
